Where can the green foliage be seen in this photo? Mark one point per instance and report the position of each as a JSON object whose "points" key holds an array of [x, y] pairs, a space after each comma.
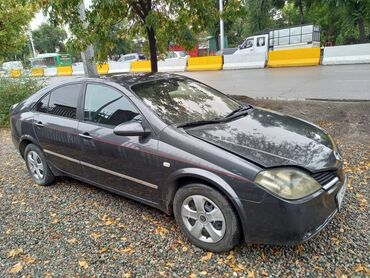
{"points": [[160, 21], [12, 91], [15, 16], [47, 38], [111, 25]]}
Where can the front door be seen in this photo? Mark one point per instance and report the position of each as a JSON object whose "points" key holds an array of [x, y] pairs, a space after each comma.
{"points": [[122, 163], [55, 125]]}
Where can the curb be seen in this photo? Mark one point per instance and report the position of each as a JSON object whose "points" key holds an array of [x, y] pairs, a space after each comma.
{"points": [[309, 99]]}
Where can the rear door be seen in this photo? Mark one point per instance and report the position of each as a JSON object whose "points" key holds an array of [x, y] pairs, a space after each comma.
{"points": [[55, 124], [261, 44], [123, 163]]}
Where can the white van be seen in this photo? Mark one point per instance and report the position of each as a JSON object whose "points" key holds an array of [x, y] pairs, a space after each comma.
{"points": [[304, 36], [12, 65], [132, 57]]}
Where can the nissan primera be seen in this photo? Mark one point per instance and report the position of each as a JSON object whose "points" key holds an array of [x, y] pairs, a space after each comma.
{"points": [[226, 170]]}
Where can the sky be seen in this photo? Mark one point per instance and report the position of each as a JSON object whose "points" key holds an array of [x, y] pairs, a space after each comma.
{"points": [[37, 20], [40, 18]]}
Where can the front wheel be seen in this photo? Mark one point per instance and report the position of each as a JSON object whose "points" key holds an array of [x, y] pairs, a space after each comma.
{"points": [[206, 217], [37, 165]]}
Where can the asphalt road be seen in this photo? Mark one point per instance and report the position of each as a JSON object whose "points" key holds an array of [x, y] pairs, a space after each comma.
{"points": [[344, 82]]}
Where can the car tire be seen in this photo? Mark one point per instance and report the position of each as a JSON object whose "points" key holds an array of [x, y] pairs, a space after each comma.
{"points": [[218, 232], [37, 166]]}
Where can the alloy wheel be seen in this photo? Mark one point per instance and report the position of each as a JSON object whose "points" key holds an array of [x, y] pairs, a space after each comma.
{"points": [[203, 218], [35, 165]]}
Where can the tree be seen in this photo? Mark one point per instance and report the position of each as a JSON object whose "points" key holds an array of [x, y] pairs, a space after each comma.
{"points": [[14, 19], [48, 38], [341, 21], [357, 11], [262, 14], [161, 21], [232, 11]]}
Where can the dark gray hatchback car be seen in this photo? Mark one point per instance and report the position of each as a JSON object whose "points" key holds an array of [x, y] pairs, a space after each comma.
{"points": [[228, 171]]}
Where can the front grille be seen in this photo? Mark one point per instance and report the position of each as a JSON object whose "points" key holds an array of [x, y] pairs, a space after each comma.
{"points": [[324, 177]]}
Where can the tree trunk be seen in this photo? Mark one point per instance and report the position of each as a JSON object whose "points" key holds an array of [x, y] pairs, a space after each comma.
{"points": [[361, 27], [88, 55], [152, 48], [300, 4], [89, 62]]}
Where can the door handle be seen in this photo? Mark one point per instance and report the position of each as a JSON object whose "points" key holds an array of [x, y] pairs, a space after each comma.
{"points": [[85, 135], [39, 124]]}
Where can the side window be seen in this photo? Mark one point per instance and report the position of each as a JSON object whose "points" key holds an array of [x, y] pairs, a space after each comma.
{"points": [[247, 44], [42, 105], [107, 106], [63, 101], [261, 41]]}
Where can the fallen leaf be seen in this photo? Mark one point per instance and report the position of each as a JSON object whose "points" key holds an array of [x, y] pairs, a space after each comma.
{"points": [[319, 268], [54, 221], [361, 268], [28, 259], [299, 249], [161, 231], [72, 240], [127, 275], [108, 221], [162, 273], [251, 274], [127, 250], [206, 257], [170, 264], [103, 250], [16, 268], [193, 275], [52, 214], [230, 257], [15, 252], [95, 236], [203, 273], [83, 264], [335, 240], [184, 248]]}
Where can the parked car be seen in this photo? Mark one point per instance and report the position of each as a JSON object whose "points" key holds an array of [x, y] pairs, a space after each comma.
{"points": [[176, 55], [12, 65], [7, 67], [226, 170], [132, 57]]}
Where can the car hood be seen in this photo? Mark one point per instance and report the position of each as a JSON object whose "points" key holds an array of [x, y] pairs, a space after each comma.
{"points": [[271, 139]]}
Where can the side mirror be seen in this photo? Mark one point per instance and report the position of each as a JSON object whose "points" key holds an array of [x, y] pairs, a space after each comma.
{"points": [[130, 129]]}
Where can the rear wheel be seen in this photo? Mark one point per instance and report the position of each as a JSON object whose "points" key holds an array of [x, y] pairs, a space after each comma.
{"points": [[206, 217], [37, 165]]}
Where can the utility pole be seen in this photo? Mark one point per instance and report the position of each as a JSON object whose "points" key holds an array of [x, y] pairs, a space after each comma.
{"points": [[32, 45], [222, 43], [88, 55]]}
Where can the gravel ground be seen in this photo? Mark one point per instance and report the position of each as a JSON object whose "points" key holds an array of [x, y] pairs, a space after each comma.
{"points": [[73, 229]]}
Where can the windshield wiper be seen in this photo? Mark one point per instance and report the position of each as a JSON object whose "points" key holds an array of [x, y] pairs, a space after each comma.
{"points": [[242, 110], [199, 123]]}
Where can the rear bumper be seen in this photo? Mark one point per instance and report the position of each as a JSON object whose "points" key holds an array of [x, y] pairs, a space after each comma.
{"points": [[282, 222]]}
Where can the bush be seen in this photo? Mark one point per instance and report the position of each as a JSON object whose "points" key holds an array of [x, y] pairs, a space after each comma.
{"points": [[12, 91]]}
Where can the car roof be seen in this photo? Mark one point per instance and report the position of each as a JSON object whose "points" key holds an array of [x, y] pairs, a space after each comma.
{"points": [[130, 79], [125, 79]]}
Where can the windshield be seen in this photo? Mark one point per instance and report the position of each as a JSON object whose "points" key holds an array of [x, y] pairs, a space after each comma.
{"points": [[179, 101]]}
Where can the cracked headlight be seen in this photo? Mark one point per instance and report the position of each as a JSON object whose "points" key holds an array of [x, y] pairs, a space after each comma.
{"points": [[287, 183]]}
